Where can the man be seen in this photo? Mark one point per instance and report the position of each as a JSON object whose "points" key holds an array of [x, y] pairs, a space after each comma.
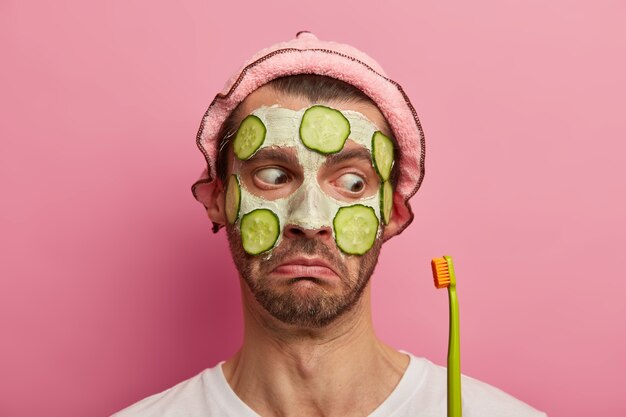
{"points": [[312, 154]]}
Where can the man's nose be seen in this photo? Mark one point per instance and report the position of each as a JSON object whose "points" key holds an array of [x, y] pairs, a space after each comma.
{"points": [[309, 214], [296, 231]]}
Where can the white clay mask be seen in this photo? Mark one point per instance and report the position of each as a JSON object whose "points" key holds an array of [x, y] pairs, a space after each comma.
{"points": [[314, 134]]}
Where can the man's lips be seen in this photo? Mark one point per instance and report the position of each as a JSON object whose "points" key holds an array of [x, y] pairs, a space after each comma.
{"points": [[304, 267]]}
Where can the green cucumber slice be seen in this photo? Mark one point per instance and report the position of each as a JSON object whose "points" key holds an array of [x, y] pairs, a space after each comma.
{"points": [[250, 136], [382, 153], [386, 201], [323, 129], [355, 229], [260, 229], [233, 199]]}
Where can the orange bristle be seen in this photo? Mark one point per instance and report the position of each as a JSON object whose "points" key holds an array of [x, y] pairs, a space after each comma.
{"points": [[441, 273]]}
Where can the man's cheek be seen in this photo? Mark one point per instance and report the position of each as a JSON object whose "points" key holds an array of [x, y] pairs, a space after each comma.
{"points": [[260, 222], [356, 227]]}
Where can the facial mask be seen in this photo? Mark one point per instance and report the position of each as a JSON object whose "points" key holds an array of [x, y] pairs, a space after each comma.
{"points": [[261, 221]]}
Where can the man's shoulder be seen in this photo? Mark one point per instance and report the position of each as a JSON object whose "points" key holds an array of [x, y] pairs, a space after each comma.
{"points": [[486, 400], [187, 398], [480, 399]]}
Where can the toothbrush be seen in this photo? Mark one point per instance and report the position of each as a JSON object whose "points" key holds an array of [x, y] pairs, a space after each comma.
{"points": [[443, 274]]}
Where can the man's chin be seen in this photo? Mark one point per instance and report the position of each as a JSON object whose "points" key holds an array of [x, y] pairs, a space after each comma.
{"points": [[305, 304]]}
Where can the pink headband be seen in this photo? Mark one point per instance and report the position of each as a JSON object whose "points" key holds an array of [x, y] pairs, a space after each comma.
{"points": [[308, 55]]}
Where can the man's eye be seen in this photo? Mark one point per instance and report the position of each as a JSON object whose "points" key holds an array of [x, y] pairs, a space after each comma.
{"points": [[272, 176], [351, 183]]}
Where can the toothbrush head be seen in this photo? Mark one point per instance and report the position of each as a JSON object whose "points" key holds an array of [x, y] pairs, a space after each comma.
{"points": [[443, 272]]}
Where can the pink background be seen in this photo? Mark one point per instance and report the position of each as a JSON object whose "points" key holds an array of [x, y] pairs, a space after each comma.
{"points": [[113, 288]]}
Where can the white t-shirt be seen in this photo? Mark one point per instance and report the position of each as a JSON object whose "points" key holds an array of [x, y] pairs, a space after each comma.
{"points": [[421, 392]]}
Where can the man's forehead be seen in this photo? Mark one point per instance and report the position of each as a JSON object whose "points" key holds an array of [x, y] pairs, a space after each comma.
{"points": [[266, 96]]}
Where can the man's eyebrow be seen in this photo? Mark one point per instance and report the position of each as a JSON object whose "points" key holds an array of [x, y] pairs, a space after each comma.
{"points": [[275, 155], [351, 154]]}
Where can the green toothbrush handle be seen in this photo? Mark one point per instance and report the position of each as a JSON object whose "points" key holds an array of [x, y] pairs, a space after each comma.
{"points": [[454, 357]]}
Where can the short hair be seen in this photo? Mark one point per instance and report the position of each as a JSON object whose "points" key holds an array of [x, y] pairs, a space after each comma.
{"points": [[312, 87]]}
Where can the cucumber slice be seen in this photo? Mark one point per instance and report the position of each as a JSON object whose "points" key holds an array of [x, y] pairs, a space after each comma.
{"points": [[250, 136], [259, 231], [324, 130], [355, 229], [233, 199], [382, 153], [386, 201]]}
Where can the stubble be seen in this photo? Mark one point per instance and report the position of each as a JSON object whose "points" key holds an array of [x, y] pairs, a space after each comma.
{"points": [[315, 308]]}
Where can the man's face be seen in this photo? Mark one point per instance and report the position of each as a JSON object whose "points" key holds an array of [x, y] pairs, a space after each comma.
{"points": [[305, 279]]}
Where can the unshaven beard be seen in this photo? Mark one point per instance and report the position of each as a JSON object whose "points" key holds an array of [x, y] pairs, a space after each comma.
{"points": [[313, 310]]}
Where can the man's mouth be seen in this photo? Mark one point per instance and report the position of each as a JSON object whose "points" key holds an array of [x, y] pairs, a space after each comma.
{"points": [[305, 268]]}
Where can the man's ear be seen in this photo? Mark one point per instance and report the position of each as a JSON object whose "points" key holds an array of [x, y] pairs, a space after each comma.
{"points": [[215, 203], [401, 216]]}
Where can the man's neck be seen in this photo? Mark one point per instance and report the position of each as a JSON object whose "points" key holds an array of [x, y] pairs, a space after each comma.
{"points": [[342, 369]]}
